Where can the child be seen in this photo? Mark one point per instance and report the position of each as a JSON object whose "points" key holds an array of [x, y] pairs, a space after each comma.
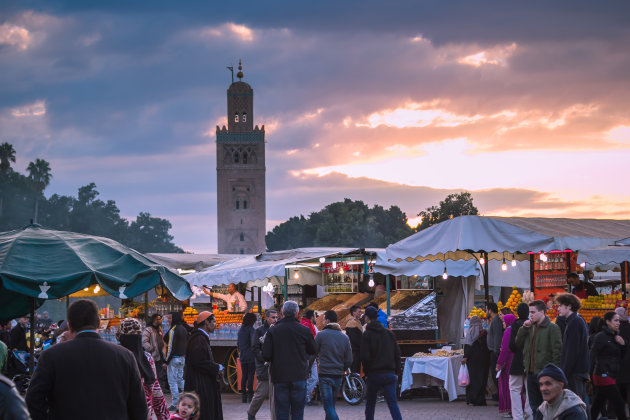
{"points": [[187, 407]]}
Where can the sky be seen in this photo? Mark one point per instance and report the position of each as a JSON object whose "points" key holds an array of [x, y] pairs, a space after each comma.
{"points": [[523, 104]]}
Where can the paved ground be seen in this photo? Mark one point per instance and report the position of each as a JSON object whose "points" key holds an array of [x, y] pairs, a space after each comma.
{"points": [[417, 408]]}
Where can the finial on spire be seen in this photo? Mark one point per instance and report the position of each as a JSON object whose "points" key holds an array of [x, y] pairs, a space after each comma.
{"points": [[240, 70]]}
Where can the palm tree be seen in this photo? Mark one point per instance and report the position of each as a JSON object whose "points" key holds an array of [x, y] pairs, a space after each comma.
{"points": [[7, 155], [39, 174]]}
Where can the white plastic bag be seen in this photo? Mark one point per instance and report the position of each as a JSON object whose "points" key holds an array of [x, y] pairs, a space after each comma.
{"points": [[463, 379]]}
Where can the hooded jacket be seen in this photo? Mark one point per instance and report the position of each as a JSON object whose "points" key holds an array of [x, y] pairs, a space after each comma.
{"points": [[333, 351], [571, 408], [548, 345], [379, 350], [606, 354], [176, 338]]}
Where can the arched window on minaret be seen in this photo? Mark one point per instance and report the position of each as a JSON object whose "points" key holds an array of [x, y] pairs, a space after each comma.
{"points": [[242, 251], [242, 237], [236, 157], [244, 117], [237, 204], [236, 117], [244, 158], [244, 204]]}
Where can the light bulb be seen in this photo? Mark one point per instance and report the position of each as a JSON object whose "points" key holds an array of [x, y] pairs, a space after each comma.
{"points": [[513, 263], [482, 260], [97, 288], [583, 265], [86, 289], [445, 275], [543, 257], [296, 275], [371, 283], [504, 265], [322, 260], [341, 270]]}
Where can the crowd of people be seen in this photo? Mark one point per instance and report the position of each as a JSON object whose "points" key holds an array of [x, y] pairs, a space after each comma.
{"points": [[546, 370]]}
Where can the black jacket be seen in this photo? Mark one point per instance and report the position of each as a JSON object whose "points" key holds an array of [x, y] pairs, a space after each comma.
{"points": [[12, 406], [606, 354], [379, 350], [262, 370], [201, 374], [18, 338], [624, 372], [574, 359], [516, 368], [287, 346], [354, 332], [176, 339], [86, 377], [244, 344]]}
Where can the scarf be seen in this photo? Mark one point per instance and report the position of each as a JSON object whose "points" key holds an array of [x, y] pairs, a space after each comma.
{"points": [[509, 320], [133, 343], [474, 329]]}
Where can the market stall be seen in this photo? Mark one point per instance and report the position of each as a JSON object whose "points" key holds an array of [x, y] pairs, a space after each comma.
{"points": [[440, 369]]}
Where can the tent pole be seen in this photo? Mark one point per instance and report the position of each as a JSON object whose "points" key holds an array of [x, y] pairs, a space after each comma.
{"points": [[486, 292], [285, 286], [31, 359], [259, 299], [532, 283], [387, 288], [624, 279]]}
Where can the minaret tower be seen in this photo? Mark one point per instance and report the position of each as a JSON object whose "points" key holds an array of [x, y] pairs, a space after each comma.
{"points": [[240, 175]]}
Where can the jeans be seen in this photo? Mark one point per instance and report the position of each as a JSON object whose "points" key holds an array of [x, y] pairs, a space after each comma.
{"points": [[612, 394], [517, 389], [261, 394], [290, 399], [247, 377], [161, 374], [577, 384], [311, 382], [328, 389], [175, 373], [387, 381], [533, 392]]}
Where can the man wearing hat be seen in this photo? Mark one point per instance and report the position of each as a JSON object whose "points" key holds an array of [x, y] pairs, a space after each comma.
{"points": [[558, 403], [201, 372]]}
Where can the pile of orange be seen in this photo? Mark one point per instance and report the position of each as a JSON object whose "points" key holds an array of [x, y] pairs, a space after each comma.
{"points": [[226, 317], [513, 301], [190, 315]]}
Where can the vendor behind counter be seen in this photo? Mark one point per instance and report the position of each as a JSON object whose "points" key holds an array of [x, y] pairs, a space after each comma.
{"points": [[581, 289], [235, 301]]}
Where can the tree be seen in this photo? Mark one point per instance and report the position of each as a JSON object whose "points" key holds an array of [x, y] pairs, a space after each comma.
{"points": [[345, 223], [7, 155], [454, 205], [39, 174], [150, 234]]}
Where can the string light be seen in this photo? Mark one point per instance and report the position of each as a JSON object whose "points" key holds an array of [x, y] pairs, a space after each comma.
{"points": [[322, 260], [97, 288], [504, 265], [341, 270], [445, 274], [583, 264], [482, 260], [513, 260], [296, 275], [543, 257], [371, 282]]}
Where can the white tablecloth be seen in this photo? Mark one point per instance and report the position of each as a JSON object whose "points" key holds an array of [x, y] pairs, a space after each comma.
{"points": [[418, 370]]}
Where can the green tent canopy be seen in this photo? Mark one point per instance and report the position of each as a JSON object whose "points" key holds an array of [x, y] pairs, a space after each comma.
{"points": [[48, 264]]}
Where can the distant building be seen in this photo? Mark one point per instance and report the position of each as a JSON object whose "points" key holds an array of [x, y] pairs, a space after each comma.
{"points": [[241, 175]]}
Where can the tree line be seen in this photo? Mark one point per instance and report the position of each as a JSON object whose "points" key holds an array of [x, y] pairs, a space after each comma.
{"points": [[22, 199]]}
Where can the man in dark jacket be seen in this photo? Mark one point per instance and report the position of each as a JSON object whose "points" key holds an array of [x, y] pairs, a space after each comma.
{"points": [[354, 331], [335, 356], [517, 371], [574, 359], [201, 372], [86, 377], [558, 404], [380, 356], [262, 369], [176, 339], [12, 406], [18, 334], [495, 334], [287, 346]]}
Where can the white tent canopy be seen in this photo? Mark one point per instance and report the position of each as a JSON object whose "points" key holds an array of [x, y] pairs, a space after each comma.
{"points": [[257, 270], [604, 256]]}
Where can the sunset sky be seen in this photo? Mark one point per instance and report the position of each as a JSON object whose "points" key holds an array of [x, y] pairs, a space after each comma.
{"points": [[524, 104]]}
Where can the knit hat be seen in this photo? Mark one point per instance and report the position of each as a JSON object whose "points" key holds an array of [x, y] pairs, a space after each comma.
{"points": [[554, 372], [371, 312], [129, 326]]}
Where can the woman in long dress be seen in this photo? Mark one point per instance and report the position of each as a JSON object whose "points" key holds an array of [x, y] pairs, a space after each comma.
{"points": [[477, 359], [503, 364]]}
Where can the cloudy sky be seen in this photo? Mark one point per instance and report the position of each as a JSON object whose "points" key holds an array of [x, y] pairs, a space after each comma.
{"points": [[524, 104]]}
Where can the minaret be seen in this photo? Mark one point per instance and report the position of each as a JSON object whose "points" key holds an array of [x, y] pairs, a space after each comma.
{"points": [[241, 212]]}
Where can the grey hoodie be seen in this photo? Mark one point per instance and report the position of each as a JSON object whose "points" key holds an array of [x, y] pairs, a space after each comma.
{"points": [[333, 350], [571, 407]]}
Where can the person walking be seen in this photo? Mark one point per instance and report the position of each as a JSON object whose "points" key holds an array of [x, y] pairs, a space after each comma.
{"points": [[477, 360], [495, 335], [623, 378], [308, 320], [558, 403], [520, 406], [246, 356], [288, 346], [504, 363], [18, 335], [153, 343], [606, 352], [201, 372], [129, 336], [380, 356], [12, 406], [176, 339], [262, 369], [541, 341], [334, 355], [86, 377], [574, 359], [354, 331]]}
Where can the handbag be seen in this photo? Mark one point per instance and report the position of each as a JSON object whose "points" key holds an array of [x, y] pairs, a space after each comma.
{"points": [[463, 379]]}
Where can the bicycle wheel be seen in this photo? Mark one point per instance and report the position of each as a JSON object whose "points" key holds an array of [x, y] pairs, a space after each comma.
{"points": [[353, 389]]}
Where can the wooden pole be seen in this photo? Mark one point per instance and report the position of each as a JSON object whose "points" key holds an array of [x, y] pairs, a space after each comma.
{"points": [[532, 282], [624, 278], [259, 299]]}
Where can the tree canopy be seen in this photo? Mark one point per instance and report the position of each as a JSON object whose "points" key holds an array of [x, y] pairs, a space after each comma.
{"points": [[22, 196], [453, 205], [345, 223]]}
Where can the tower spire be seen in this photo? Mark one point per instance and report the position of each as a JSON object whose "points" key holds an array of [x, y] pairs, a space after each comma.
{"points": [[240, 70]]}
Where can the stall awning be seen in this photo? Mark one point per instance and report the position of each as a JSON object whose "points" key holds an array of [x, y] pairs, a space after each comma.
{"points": [[604, 256], [195, 262]]}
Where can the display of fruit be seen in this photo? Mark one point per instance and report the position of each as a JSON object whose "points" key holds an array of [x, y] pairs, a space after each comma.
{"points": [[190, 315], [477, 312], [601, 301], [513, 301], [226, 317]]}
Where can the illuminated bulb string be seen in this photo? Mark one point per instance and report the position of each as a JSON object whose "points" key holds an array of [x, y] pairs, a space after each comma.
{"points": [[445, 274], [504, 265]]}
